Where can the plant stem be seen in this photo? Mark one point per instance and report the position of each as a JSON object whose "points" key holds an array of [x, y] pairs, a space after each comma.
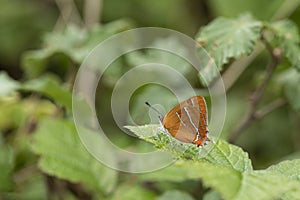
{"points": [[231, 75], [92, 12], [68, 13], [286, 9], [258, 93], [269, 108]]}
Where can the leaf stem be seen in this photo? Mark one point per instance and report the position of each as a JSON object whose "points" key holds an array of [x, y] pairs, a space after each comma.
{"points": [[258, 93]]}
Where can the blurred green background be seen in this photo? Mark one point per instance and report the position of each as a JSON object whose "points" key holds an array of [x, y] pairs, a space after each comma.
{"points": [[65, 25]]}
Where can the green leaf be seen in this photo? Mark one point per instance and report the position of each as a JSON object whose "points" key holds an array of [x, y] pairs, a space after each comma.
{"points": [[231, 184], [286, 29], [228, 155], [291, 80], [6, 166], [290, 168], [75, 43], [222, 154], [163, 57], [226, 38], [212, 195], [175, 195], [223, 179], [33, 187], [265, 185], [226, 168], [63, 155], [7, 85], [51, 87], [289, 40], [132, 192], [48, 85]]}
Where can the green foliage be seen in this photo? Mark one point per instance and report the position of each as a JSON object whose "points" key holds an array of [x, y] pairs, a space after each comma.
{"points": [[7, 85], [48, 85], [226, 169], [6, 165], [176, 195], [289, 168], [52, 88], [34, 146], [289, 40], [291, 82], [162, 57], [226, 38], [222, 154], [74, 44], [31, 188], [57, 142], [132, 192]]}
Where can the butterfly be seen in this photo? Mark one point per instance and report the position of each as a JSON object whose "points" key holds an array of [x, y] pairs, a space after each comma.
{"points": [[187, 121]]}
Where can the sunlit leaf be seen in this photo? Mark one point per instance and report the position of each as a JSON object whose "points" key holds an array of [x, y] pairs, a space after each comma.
{"points": [[226, 168], [290, 168], [265, 185], [222, 154]]}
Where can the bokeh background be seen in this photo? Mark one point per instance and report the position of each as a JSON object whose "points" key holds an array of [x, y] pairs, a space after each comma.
{"points": [[42, 37]]}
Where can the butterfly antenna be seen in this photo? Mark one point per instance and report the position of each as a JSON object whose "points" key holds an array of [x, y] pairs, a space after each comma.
{"points": [[160, 115]]}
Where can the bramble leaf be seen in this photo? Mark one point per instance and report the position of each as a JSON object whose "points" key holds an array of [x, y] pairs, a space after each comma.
{"points": [[63, 155], [289, 40], [226, 38], [51, 87], [222, 154], [74, 44], [7, 85], [289, 168], [226, 168]]}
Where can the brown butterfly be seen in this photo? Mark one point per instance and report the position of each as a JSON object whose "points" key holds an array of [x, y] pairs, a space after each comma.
{"points": [[187, 121]]}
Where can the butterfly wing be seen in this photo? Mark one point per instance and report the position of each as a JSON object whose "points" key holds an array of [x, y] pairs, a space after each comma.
{"points": [[187, 120], [172, 122], [203, 125]]}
